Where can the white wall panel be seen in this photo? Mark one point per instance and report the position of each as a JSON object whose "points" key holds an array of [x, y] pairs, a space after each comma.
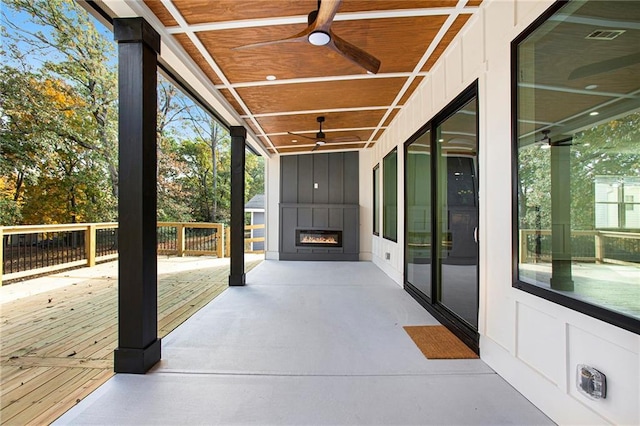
{"points": [[499, 20], [525, 8], [438, 86], [426, 89], [540, 341], [366, 204], [272, 196], [453, 67], [473, 55], [620, 366]]}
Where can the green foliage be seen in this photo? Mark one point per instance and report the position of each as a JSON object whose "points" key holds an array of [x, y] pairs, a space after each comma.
{"points": [[609, 149], [59, 111], [58, 129]]}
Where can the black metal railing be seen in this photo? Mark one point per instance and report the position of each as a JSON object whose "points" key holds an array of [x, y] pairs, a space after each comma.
{"points": [[34, 249], [201, 239], [167, 238], [106, 241], [41, 250]]}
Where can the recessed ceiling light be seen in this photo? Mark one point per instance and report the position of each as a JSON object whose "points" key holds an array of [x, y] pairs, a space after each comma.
{"points": [[271, 77], [591, 87], [294, 140], [594, 113]]}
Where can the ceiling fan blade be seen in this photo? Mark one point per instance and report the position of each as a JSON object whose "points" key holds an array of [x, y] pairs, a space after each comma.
{"points": [[326, 13], [316, 147], [605, 66], [354, 54], [301, 36], [301, 136]]}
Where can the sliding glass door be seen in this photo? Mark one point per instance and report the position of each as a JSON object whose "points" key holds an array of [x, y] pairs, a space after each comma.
{"points": [[457, 201], [441, 196]]}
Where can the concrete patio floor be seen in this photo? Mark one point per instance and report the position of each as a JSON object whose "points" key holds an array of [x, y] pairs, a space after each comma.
{"points": [[306, 343]]}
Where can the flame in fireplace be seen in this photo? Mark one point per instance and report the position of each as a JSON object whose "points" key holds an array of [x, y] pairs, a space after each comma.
{"points": [[318, 239]]}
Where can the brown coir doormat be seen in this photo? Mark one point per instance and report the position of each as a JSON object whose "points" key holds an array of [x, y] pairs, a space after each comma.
{"points": [[436, 342]]}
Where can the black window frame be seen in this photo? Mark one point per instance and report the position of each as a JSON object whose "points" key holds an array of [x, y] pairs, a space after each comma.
{"points": [[376, 200], [395, 151], [595, 311]]}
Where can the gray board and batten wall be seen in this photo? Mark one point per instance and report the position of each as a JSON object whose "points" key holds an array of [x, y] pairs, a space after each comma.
{"points": [[319, 195]]}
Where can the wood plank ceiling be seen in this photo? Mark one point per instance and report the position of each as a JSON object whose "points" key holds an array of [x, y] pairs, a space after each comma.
{"points": [[407, 36]]}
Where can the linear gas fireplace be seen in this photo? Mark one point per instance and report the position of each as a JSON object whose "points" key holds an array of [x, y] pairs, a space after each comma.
{"points": [[318, 238]]}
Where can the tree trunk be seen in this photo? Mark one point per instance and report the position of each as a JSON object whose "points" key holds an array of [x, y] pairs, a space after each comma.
{"points": [[214, 147]]}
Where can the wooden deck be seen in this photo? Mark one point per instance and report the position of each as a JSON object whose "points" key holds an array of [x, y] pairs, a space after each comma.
{"points": [[57, 345]]}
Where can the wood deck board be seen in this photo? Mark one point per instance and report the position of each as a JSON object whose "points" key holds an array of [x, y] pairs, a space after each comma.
{"points": [[69, 400], [55, 329], [55, 320], [40, 394], [60, 299], [22, 375], [40, 382]]}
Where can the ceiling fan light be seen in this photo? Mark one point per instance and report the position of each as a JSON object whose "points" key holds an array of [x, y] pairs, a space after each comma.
{"points": [[319, 38], [320, 142]]}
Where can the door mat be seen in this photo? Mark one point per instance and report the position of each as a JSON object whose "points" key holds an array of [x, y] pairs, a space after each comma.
{"points": [[436, 342]]}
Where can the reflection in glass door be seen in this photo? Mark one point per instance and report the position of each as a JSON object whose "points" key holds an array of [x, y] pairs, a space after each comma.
{"points": [[418, 211], [457, 211]]}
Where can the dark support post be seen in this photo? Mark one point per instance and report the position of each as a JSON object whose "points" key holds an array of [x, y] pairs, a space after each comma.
{"points": [[561, 218], [138, 344], [238, 139]]}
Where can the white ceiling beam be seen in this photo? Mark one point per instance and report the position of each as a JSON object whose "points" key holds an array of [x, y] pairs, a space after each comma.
{"points": [[320, 79], [319, 111], [314, 131], [302, 19]]}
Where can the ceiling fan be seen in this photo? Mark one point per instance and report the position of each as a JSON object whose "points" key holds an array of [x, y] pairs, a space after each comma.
{"points": [[321, 138], [319, 33], [546, 143]]}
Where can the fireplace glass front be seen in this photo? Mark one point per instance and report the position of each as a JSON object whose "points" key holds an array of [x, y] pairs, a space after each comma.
{"points": [[318, 238]]}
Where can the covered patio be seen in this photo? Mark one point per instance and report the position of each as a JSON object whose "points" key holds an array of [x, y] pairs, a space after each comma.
{"points": [[376, 152], [306, 343]]}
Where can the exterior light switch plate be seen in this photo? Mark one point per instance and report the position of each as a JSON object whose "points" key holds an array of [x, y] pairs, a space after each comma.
{"points": [[591, 382]]}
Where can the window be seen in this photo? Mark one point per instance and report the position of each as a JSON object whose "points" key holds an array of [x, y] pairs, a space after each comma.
{"points": [[577, 159], [390, 196], [376, 200], [617, 202]]}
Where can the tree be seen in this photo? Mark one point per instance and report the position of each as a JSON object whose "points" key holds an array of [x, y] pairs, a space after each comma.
{"points": [[74, 52], [58, 94], [608, 149]]}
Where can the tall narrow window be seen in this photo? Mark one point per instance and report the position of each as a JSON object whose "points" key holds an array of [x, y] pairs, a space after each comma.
{"points": [[390, 196], [577, 147], [376, 199]]}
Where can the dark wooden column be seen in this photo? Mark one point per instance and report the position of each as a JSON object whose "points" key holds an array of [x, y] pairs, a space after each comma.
{"points": [[561, 278], [238, 140], [138, 344]]}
